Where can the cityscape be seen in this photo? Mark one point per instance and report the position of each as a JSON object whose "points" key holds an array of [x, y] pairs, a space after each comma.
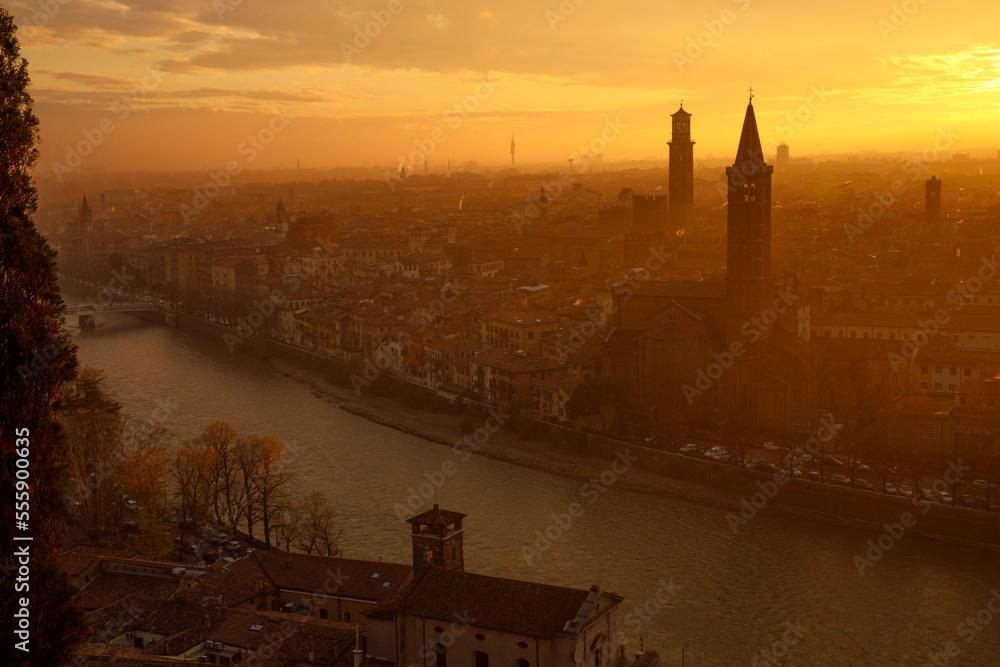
{"points": [[309, 372]]}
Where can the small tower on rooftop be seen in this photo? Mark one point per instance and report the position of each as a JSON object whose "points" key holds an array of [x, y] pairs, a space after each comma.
{"points": [[437, 539]]}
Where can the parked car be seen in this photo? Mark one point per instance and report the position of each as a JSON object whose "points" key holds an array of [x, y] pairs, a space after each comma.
{"points": [[770, 446], [814, 476], [946, 498], [234, 545], [840, 479], [905, 491], [965, 500], [863, 484], [688, 447], [890, 488], [835, 462], [765, 466], [981, 484]]}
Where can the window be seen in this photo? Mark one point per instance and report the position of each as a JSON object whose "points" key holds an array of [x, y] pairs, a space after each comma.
{"points": [[923, 385], [521, 662], [937, 386], [938, 369], [440, 656], [968, 372], [347, 617], [952, 387], [923, 369], [481, 659], [952, 371], [323, 613]]}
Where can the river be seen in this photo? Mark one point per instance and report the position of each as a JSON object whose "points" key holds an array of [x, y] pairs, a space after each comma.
{"points": [[735, 595]]}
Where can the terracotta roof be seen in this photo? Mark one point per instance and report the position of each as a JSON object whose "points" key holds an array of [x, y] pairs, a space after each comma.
{"points": [[437, 517], [111, 586], [234, 583], [359, 579], [507, 605]]}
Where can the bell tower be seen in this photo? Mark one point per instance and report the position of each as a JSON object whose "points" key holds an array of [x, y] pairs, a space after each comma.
{"points": [[748, 240], [437, 539], [681, 176]]}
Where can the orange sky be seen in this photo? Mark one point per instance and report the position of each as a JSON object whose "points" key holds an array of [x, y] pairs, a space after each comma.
{"points": [[184, 83]]}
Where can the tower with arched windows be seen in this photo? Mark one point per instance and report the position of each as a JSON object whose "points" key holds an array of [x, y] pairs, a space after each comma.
{"points": [[748, 275], [437, 539], [681, 187]]}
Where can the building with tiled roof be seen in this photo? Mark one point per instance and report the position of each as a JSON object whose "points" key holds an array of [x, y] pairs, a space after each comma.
{"points": [[474, 619]]}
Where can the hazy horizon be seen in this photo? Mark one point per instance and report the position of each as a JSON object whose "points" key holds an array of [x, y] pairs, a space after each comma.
{"points": [[183, 85]]}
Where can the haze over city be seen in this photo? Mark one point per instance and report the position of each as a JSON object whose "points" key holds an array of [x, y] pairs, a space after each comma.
{"points": [[411, 333], [888, 75]]}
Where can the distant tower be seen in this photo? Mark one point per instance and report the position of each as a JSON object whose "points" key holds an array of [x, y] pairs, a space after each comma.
{"points": [[437, 539], [748, 243], [298, 165], [279, 213], [402, 173], [425, 167], [932, 203], [512, 151], [781, 159], [86, 216], [681, 188]]}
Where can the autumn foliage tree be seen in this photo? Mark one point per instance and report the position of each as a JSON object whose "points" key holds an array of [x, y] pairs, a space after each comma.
{"points": [[35, 359]]}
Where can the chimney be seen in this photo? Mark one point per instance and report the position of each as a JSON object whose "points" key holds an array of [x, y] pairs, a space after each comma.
{"points": [[288, 563]]}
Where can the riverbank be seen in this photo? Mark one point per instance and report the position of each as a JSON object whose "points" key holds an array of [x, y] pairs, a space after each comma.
{"points": [[585, 457]]}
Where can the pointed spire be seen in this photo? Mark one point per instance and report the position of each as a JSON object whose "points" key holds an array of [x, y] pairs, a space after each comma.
{"points": [[750, 150], [85, 207]]}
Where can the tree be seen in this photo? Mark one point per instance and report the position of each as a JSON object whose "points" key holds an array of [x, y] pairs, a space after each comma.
{"points": [[319, 531], [192, 472], [740, 434], [140, 477], [271, 478], [228, 499], [35, 359]]}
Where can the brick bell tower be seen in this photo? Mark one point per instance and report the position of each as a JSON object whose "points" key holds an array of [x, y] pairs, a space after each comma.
{"points": [[681, 175], [748, 240], [437, 539]]}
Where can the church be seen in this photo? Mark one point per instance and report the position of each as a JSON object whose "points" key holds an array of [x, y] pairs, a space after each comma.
{"points": [[715, 350]]}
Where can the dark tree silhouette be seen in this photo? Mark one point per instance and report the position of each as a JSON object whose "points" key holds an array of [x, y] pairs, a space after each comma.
{"points": [[36, 359]]}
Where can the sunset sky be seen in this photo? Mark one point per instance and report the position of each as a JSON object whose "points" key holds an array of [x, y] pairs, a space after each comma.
{"points": [[558, 73]]}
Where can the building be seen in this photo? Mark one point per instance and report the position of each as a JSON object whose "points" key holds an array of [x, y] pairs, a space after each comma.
{"points": [[781, 158], [748, 253], [447, 616], [681, 187], [932, 200]]}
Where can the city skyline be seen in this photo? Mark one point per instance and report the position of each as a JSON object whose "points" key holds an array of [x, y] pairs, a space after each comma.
{"points": [[188, 83]]}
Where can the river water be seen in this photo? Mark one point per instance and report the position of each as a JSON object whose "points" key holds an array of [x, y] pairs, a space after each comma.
{"points": [[735, 595]]}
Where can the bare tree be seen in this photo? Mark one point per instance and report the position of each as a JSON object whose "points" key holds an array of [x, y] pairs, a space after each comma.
{"points": [[320, 531]]}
